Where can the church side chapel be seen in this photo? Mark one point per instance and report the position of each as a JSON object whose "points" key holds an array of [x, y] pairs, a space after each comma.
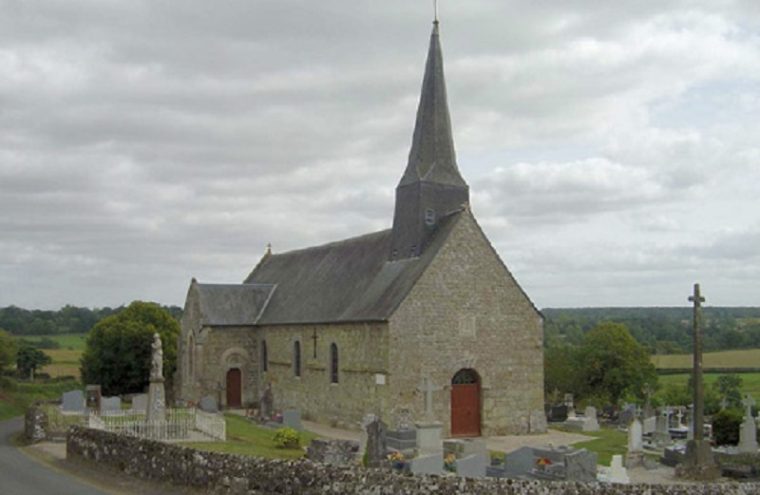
{"points": [[422, 321]]}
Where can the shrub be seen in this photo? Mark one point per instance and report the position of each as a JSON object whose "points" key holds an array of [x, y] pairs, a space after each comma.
{"points": [[726, 424], [287, 438]]}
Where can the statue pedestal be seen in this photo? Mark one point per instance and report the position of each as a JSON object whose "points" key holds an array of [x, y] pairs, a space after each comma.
{"points": [[429, 436], [156, 401]]}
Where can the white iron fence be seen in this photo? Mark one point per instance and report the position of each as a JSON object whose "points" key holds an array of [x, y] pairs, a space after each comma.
{"points": [[179, 424]]}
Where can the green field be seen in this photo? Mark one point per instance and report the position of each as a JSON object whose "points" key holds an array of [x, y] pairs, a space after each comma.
{"points": [[245, 438], [746, 358], [750, 382], [66, 358]]}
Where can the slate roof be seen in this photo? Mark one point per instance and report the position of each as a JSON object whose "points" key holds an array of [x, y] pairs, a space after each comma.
{"points": [[232, 304], [345, 281]]}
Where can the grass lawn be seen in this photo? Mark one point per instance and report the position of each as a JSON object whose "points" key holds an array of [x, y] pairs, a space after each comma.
{"points": [[606, 443], [745, 358], [246, 438], [15, 398]]}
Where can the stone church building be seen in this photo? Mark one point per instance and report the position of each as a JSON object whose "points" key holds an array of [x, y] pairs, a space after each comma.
{"points": [[368, 324]]}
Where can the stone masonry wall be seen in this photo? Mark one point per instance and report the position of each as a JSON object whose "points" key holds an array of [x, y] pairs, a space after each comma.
{"points": [[467, 311], [362, 354], [237, 475]]}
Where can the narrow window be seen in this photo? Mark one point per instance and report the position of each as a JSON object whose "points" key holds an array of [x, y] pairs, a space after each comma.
{"points": [[333, 363], [264, 356], [429, 217], [190, 351], [297, 358]]}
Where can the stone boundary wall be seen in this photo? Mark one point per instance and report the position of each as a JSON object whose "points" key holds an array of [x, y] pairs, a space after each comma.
{"points": [[233, 474]]}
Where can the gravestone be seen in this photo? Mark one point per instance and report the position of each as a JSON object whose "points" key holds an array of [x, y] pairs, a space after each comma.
{"points": [[558, 414], [661, 435], [73, 402], [564, 464], [473, 466], [519, 463], [93, 395], [291, 418], [427, 464], [110, 404], [748, 429], [463, 447], [376, 443], [266, 403], [635, 455], [635, 442], [208, 404], [570, 406], [580, 466], [402, 440], [626, 415], [649, 425], [617, 472], [140, 403], [590, 423]]}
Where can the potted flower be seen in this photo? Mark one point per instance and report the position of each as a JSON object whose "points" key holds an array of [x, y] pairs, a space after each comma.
{"points": [[397, 461], [450, 463]]}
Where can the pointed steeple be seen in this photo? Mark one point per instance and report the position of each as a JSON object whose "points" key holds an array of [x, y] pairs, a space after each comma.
{"points": [[431, 186], [432, 157]]}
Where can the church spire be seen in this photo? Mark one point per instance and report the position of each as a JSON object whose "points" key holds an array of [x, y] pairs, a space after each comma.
{"points": [[432, 157], [431, 186]]}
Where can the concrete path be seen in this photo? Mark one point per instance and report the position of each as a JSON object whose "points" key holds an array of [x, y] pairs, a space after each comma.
{"points": [[20, 475]]}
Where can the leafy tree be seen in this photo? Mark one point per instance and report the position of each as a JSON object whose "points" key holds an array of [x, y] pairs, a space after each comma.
{"points": [[560, 370], [612, 364], [29, 359], [8, 350], [118, 349], [729, 388], [726, 425]]}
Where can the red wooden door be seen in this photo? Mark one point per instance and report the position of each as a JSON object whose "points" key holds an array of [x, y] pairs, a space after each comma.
{"points": [[234, 392], [465, 410]]}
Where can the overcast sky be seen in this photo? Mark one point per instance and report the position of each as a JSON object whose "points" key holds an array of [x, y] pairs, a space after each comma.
{"points": [[612, 148]]}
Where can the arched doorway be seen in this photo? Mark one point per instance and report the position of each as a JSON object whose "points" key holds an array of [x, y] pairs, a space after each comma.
{"points": [[465, 404], [234, 388]]}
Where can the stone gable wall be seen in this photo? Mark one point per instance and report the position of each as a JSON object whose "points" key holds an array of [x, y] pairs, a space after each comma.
{"points": [[362, 353], [238, 475], [467, 311]]}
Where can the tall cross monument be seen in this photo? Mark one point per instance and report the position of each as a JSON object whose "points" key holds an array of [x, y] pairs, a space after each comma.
{"points": [[696, 378], [699, 462]]}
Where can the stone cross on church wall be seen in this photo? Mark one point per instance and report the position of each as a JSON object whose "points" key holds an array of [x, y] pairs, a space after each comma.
{"points": [[428, 388]]}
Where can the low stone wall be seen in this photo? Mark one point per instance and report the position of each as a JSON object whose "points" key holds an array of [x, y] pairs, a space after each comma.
{"points": [[233, 474], [35, 423]]}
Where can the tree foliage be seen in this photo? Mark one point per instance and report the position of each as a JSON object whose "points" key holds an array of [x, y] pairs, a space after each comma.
{"points": [[726, 425], [118, 349], [607, 365], [8, 350], [29, 359], [68, 319]]}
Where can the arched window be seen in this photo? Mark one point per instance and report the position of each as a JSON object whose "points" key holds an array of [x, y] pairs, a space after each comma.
{"points": [[333, 363], [190, 352], [264, 356], [297, 358]]}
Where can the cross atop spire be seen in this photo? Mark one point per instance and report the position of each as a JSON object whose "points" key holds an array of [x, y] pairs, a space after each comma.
{"points": [[435, 8]]}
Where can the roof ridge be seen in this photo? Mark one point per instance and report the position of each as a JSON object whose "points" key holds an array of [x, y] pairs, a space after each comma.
{"points": [[334, 243]]}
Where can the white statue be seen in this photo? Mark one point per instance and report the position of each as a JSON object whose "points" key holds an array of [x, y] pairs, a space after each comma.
{"points": [[157, 360]]}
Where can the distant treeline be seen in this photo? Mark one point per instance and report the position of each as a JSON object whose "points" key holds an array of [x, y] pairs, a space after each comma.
{"points": [[68, 319], [660, 330]]}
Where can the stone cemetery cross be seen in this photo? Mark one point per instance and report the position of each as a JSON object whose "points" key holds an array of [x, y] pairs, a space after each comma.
{"points": [[699, 399], [428, 388], [748, 402]]}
